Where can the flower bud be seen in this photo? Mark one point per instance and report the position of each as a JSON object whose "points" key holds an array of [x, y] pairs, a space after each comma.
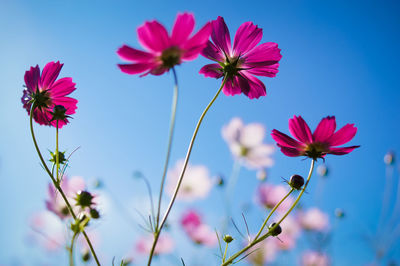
{"points": [[61, 157], [59, 113], [262, 175], [322, 170], [84, 199], [389, 158], [296, 181], [227, 239], [94, 213], [339, 213], [275, 231], [86, 256]]}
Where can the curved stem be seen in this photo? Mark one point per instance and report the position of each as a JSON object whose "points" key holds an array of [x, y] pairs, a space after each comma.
{"points": [[71, 250], [57, 156], [271, 212], [258, 240], [171, 203], [171, 134], [57, 185]]}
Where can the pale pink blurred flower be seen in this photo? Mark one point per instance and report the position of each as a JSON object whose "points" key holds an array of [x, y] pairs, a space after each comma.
{"points": [[269, 195], [265, 253], [55, 202], [165, 244], [314, 219], [48, 231], [314, 258], [246, 143], [290, 233], [197, 231], [196, 183]]}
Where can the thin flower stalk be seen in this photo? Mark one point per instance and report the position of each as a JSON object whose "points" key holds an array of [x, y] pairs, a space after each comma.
{"points": [[56, 184], [171, 134], [172, 201], [259, 239], [71, 250]]}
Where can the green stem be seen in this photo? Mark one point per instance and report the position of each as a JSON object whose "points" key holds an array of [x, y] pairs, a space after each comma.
{"points": [[71, 250], [225, 252], [57, 157], [171, 203], [258, 240], [171, 134], [271, 212], [57, 185]]}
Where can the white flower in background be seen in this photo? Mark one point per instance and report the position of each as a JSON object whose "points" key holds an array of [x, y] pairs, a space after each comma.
{"points": [[314, 258], [165, 244], [246, 143], [48, 231], [196, 183], [314, 219]]}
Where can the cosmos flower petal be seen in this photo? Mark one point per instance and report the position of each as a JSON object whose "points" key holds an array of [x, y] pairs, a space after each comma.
{"points": [[246, 38], [300, 130], [220, 35], [212, 52], [211, 70], [32, 78], [153, 36], [183, 27], [196, 44], [264, 54], [343, 135], [342, 150], [68, 102], [130, 54], [291, 152], [135, 68], [50, 74], [266, 71], [252, 135], [284, 140], [256, 87], [62, 87], [325, 129], [232, 87]]}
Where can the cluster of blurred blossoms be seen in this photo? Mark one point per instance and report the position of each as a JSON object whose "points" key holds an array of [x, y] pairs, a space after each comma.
{"points": [[47, 101]]}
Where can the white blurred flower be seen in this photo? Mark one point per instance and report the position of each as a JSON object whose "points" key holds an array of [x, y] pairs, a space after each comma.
{"points": [[269, 195], [165, 244], [196, 183], [314, 258], [264, 253], [246, 143], [314, 219]]}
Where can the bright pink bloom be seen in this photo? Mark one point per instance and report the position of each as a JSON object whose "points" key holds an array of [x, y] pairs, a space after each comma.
{"points": [[164, 51], [47, 92], [316, 145], [197, 231], [314, 258], [242, 62]]}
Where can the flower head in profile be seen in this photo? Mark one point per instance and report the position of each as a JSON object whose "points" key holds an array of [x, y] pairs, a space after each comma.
{"points": [[196, 183], [48, 94], [241, 62], [164, 51], [198, 231], [314, 219], [70, 186], [315, 145], [315, 258], [246, 143]]}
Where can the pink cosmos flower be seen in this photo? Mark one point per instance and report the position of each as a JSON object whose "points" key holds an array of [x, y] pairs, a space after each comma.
{"points": [[269, 195], [48, 231], [165, 244], [196, 183], [242, 62], [314, 219], [290, 233], [164, 51], [47, 92], [55, 202], [264, 253], [246, 143], [197, 231], [314, 258], [316, 145]]}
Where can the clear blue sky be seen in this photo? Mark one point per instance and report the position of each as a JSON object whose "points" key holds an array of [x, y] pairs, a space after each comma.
{"points": [[339, 58]]}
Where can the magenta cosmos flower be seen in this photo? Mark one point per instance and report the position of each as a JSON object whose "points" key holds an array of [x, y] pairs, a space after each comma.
{"points": [[315, 145], [164, 51], [242, 62], [47, 93]]}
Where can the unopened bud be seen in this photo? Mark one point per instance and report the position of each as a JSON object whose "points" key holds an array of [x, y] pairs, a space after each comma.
{"points": [[274, 231], [339, 213], [94, 214], [322, 170], [227, 239], [86, 256], [59, 113], [389, 158], [84, 199], [296, 181], [262, 175]]}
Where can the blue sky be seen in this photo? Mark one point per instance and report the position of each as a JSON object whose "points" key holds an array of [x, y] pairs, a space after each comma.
{"points": [[339, 58]]}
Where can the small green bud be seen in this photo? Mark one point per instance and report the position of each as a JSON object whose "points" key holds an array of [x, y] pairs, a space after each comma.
{"points": [[389, 158], [296, 182], [275, 231], [61, 157], [227, 239], [84, 199], [322, 170], [94, 214], [86, 256], [59, 113]]}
